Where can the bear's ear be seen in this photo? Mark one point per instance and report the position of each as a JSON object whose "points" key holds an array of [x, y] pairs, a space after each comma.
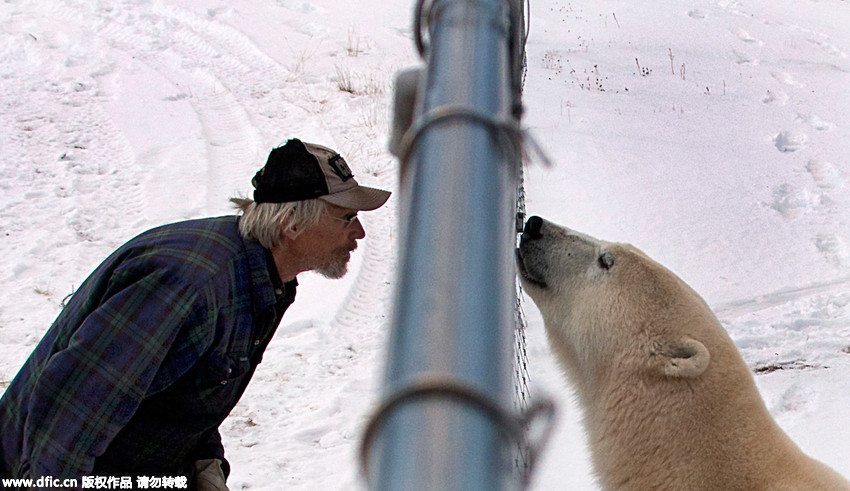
{"points": [[685, 357], [606, 260]]}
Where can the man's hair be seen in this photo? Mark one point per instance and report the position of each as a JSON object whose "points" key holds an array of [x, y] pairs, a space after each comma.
{"points": [[266, 221]]}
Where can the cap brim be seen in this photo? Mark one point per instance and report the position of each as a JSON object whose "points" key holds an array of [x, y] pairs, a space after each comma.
{"points": [[361, 198]]}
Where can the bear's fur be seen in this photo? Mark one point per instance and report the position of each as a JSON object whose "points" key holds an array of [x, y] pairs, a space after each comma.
{"points": [[668, 401]]}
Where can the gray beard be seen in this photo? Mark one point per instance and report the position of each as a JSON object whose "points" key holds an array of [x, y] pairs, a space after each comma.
{"points": [[335, 268]]}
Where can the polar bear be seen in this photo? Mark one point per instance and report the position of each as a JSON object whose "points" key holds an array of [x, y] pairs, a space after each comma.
{"points": [[668, 401]]}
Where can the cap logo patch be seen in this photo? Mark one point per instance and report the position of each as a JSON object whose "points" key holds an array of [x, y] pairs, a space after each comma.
{"points": [[339, 167]]}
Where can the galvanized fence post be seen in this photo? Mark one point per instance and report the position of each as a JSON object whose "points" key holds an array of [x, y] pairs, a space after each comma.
{"points": [[443, 426]]}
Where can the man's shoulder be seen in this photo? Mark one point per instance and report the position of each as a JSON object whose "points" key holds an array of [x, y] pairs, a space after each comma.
{"points": [[204, 244], [219, 233], [210, 228]]}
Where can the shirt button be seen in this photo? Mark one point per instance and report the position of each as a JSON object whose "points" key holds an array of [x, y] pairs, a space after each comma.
{"points": [[224, 382], [278, 292], [256, 342]]}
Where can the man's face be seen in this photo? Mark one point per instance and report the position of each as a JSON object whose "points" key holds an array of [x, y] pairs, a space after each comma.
{"points": [[327, 246]]}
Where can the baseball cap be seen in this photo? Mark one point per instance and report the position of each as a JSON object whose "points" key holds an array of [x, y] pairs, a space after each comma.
{"points": [[300, 171]]}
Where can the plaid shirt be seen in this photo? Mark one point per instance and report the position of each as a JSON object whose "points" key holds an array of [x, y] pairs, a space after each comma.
{"points": [[147, 359]]}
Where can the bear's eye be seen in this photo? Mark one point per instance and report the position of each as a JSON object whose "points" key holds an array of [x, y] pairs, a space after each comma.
{"points": [[606, 260]]}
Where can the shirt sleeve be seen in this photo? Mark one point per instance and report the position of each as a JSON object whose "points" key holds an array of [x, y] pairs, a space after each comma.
{"points": [[89, 390], [214, 449]]}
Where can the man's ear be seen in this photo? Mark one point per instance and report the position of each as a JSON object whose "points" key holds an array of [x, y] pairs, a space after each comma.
{"points": [[684, 357], [291, 233]]}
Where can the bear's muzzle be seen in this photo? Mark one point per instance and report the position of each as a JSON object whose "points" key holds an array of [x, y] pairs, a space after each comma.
{"points": [[528, 254]]}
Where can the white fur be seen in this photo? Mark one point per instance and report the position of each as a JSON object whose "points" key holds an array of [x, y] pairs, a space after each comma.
{"points": [[668, 401]]}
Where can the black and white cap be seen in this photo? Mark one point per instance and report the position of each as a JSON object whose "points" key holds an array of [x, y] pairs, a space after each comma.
{"points": [[300, 171]]}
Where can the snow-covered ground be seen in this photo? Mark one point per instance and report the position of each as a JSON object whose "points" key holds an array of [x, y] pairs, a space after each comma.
{"points": [[710, 133]]}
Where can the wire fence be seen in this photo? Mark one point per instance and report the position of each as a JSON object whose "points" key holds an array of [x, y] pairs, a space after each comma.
{"points": [[522, 393]]}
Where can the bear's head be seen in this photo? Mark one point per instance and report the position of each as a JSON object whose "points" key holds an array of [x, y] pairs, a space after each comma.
{"points": [[609, 305], [668, 401]]}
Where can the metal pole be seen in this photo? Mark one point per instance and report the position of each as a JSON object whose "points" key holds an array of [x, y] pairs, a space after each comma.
{"points": [[454, 305]]}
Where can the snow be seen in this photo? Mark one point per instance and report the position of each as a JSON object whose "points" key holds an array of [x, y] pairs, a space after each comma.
{"points": [[710, 133]]}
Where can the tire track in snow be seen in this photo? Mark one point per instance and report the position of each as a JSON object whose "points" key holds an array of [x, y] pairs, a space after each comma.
{"points": [[63, 158], [796, 328], [237, 92], [256, 82], [79, 164], [143, 37], [240, 73], [735, 308], [189, 62]]}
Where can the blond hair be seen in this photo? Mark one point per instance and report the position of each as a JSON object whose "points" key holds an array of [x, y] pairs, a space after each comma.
{"points": [[265, 222]]}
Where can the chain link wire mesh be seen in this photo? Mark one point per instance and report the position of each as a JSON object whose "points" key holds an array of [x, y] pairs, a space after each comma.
{"points": [[522, 394]]}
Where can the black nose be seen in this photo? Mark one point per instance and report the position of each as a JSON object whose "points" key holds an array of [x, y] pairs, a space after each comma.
{"points": [[532, 228]]}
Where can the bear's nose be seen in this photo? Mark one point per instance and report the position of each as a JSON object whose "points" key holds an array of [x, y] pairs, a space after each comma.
{"points": [[532, 228]]}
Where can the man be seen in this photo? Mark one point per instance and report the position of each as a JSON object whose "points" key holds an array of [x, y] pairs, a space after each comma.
{"points": [[157, 346]]}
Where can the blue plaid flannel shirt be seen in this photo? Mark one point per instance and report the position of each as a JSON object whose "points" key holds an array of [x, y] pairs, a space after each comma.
{"points": [[150, 355]]}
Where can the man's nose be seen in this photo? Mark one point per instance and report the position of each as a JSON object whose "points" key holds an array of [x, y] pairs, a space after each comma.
{"points": [[357, 229]]}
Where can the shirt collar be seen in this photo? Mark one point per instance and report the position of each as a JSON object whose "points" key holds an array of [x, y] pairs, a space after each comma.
{"points": [[262, 274], [282, 291]]}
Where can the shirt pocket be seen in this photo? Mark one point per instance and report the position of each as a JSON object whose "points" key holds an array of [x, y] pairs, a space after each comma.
{"points": [[225, 369], [218, 388]]}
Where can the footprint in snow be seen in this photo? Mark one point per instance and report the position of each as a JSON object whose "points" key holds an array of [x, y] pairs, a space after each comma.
{"points": [[742, 58], [816, 122], [746, 37], [789, 141], [775, 97], [825, 174], [791, 201], [827, 46], [833, 249], [786, 79]]}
